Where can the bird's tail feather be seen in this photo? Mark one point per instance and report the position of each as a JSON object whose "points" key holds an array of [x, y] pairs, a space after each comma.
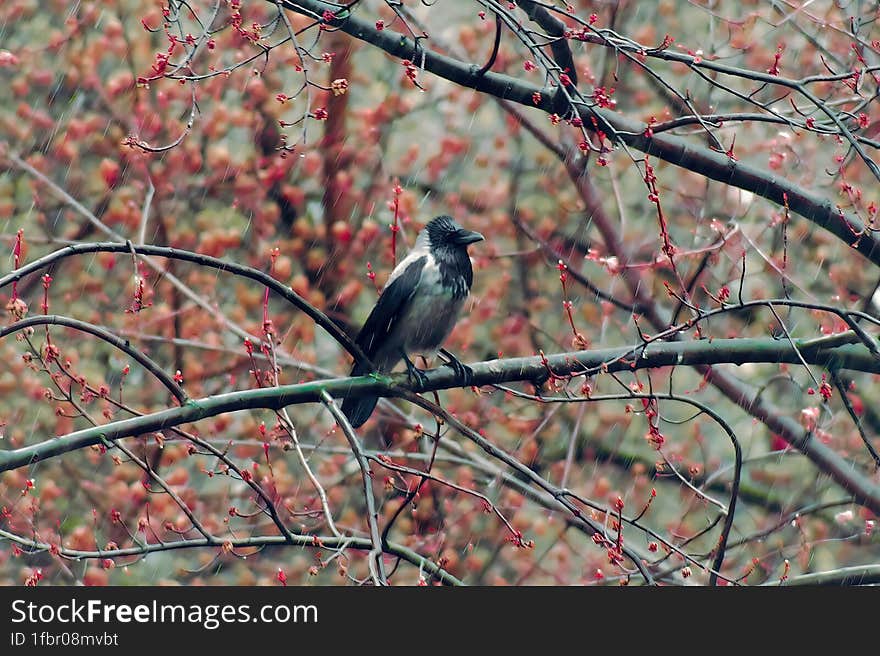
{"points": [[358, 409]]}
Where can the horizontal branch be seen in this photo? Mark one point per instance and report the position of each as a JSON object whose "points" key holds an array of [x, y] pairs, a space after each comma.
{"points": [[324, 542], [857, 575], [531, 369]]}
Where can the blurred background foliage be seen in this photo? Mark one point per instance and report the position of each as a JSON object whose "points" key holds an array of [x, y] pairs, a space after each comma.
{"points": [[241, 183]]}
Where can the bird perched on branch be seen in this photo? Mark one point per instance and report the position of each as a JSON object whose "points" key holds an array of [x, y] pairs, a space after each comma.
{"points": [[417, 309]]}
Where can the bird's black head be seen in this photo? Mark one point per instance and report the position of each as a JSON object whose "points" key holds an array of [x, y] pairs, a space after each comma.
{"points": [[447, 241], [444, 232]]}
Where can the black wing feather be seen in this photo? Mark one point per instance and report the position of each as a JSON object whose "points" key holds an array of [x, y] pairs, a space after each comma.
{"points": [[389, 307], [377, 327]]}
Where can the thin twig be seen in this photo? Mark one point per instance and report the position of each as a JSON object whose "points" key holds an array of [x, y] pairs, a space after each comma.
{"points": [[377, 567]]}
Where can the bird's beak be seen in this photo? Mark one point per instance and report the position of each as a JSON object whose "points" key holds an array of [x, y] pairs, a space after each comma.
{"points": [[465, 237]]}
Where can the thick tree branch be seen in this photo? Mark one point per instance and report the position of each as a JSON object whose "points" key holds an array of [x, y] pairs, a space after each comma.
{"points": [[538, 368], [675, 150], [555, 28]]}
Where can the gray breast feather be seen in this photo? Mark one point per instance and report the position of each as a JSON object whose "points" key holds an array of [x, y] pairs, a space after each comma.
{"points": [[429, 315]]}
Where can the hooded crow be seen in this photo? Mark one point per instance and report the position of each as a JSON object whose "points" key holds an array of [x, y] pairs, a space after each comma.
{"points": [[418, 307]]}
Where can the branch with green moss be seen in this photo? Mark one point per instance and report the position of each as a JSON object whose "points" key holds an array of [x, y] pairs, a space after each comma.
{"points": [[535, 369]]}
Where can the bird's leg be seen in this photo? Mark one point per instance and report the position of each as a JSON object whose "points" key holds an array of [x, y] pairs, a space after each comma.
{"points": [[416, 376], [464, 373]]}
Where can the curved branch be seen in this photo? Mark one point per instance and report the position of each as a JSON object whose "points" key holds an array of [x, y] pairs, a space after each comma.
{"points": [[204, 260], [328, 542], [122, 344], [858, 575], [554, 27], [377, 567], [701, 408], [560, 495], [494, 54]]}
